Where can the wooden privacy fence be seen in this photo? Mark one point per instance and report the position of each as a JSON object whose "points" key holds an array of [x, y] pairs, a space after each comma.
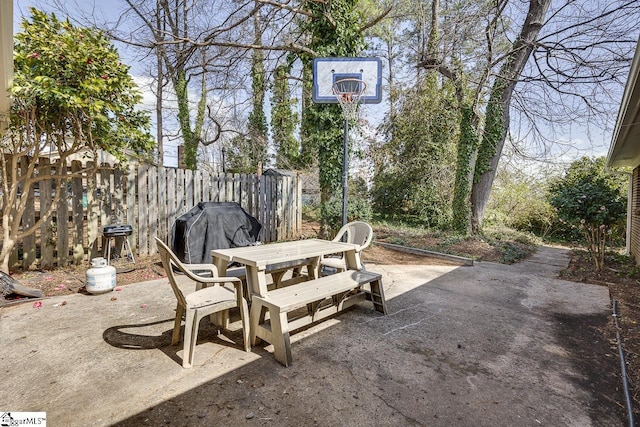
{"points": [[149, 199]]}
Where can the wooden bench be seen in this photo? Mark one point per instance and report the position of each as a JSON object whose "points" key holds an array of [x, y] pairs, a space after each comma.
{"points": [[322, 297]]}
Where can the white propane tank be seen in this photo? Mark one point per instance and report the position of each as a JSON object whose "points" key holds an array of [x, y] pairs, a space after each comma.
{"points": [[101, 277]]}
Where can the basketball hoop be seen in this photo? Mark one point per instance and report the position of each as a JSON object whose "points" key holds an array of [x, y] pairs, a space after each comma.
{"points": [[349, 92], [344, 81]]}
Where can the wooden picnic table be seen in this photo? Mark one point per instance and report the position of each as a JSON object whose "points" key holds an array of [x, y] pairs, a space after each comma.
{"points": [[261, 259], [341, 289]]}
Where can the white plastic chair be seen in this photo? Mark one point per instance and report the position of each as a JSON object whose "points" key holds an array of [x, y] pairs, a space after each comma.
{"points": [[357, 232], [210, 297]]}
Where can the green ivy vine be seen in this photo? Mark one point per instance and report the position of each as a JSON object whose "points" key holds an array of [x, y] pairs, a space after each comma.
{"points": [[284, 119], [190, 139], [494, 131], [467, 146]]}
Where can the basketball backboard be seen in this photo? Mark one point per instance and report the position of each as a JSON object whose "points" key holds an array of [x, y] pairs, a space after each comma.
{"points": [[326, 71]]}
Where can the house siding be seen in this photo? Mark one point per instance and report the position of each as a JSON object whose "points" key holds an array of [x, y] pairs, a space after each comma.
{"points": [[635, 215]]}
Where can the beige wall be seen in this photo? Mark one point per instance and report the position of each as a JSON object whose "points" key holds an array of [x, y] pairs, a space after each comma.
{"points": [[634, 246]]}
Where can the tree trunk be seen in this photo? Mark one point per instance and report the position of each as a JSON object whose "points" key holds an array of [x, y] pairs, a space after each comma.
{"points": [[159, 91], [159, 134], [257, 122], [189, 137], [497, 115], [465, 163]]}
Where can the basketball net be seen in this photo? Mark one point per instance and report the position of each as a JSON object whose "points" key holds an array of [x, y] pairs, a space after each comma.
{"points": [[349, 93]]}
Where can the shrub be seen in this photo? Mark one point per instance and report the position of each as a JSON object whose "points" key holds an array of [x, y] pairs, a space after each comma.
{"points": [[509, 234], [311, 212], [512, 244], [518, 201], [358, 209], [590, 201]]}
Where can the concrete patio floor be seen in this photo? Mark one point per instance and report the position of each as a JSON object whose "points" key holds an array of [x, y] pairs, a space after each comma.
{"points": [[482, 345]]}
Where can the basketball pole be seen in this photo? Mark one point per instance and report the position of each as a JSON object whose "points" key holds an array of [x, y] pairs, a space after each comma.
{"points": [[348, 93], [345, 170]]}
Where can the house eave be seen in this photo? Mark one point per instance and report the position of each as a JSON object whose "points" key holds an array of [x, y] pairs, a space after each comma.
{"points": [[624, 150]]}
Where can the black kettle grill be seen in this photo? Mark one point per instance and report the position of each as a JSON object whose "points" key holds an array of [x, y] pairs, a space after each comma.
{"points": [[117, 230]]}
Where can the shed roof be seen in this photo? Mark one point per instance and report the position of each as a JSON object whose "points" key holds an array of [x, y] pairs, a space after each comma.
{"points": [[279, 172]]}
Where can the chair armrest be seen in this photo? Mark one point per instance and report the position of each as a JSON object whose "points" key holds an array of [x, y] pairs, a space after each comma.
{"points": [[233, 280], [203, 267], [237, 283], [214, 272]]}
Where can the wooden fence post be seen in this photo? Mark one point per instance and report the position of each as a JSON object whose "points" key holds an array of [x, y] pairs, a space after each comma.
{"points": [[28, 220], [206, 186], [188, 190], [172, 210], [131, 198], [93, 212], [152, 211], [180, 192], [47, 243], [143, 209], [117, 197], [62, 217], [77, 207], [163, 204], [197, 187], [228, 190]]}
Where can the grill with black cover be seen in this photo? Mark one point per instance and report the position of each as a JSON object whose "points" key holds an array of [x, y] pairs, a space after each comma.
{"points": [[212, 225]]}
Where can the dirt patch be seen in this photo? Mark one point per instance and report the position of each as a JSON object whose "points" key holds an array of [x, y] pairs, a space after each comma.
{"points": [[476, 249], [376, 254], [598, 365], [73, 279], [622, 276]]}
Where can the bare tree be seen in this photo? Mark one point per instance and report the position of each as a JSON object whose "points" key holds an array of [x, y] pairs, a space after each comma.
{"points": [[557, 70], [497, 114]]}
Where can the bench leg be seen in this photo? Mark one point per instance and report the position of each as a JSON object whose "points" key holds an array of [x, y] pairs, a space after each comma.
{"points": [[281, 340], [256, 318], [246, 328], [377, 296]]}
